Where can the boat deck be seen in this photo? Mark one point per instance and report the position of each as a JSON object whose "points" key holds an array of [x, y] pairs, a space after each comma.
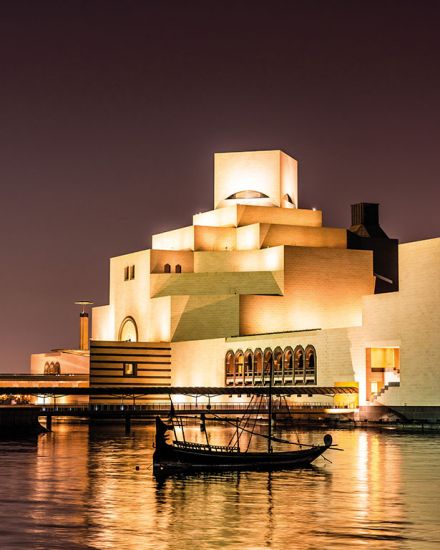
{"points": [[204, 447]]}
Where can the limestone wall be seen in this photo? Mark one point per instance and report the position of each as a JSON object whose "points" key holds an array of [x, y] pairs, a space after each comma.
{"points": [[323, 288], [202, 363], [192, 284], [203, 317], [269, 259], [239, 215], [409, 319]]}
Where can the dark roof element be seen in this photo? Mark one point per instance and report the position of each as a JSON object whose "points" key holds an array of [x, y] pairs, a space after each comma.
{"points": [[365, 233], [365, 220]]}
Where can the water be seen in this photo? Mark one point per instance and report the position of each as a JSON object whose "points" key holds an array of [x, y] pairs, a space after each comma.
{"points": [[78, 488]]}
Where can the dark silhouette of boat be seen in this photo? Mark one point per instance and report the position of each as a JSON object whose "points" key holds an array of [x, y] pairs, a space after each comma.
{"points": [[185, 456]]}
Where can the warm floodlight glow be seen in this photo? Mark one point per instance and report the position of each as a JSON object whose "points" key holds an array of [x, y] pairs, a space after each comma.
{"points": [[259, 178], [84, 304]]}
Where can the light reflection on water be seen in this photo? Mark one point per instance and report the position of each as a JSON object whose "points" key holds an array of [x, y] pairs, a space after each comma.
{"points": [[78, 487]]}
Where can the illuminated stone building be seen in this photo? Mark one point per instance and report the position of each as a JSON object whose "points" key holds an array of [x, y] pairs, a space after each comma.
{"points": [[259, 281]]}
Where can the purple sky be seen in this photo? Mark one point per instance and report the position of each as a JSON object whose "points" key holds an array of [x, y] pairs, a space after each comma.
{"points": [[110, 113]]}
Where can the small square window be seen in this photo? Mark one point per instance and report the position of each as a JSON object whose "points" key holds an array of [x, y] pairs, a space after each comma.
{"points": [[130, 369], [126, 273], [132, 272]]}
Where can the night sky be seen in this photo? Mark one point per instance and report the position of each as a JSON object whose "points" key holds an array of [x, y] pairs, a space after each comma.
{"points": [[110, 113]]}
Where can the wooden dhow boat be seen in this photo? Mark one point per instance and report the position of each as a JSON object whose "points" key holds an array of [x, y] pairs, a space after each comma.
{"points": [[186, 456]]}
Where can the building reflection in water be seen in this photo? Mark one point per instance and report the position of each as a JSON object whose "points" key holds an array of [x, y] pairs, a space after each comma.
{"points": [[79, 488], [60, 484]]}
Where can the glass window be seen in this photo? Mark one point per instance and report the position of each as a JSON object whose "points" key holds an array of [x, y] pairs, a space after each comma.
{"points": [[130, 369]]}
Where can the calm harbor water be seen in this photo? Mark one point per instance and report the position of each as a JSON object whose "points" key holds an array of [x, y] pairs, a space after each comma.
{"points": [[78, 488]]}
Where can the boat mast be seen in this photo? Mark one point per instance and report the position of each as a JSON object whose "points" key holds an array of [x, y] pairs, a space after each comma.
{"points": [[269, 420]]}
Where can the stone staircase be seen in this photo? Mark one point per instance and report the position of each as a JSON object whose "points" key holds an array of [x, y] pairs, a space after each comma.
{"points": [[375, 396]]}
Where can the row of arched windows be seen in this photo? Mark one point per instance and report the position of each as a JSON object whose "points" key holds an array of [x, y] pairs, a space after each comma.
{"points": [[52, 368], [289, 366], [167, 268]]}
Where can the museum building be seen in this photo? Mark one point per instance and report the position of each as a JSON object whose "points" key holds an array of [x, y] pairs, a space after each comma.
{"points": [[258, 283]]}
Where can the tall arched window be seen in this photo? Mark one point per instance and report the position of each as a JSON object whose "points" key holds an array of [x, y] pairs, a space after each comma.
{"points": [[178, 268], [298, 365], [167, 268], [229, 367], [248, 363], [239, 367], [310, 371], [267, 364], [278, 362], [258, 365], [288, 364], [128, 331]]}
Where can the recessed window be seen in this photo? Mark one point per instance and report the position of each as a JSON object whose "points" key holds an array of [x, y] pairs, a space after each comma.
{"points": [[249, 194], [128, 331], [289, 367], [126, 273], [178, 268], [52, 368], [130, 369], [132, 272], [167, 268]]}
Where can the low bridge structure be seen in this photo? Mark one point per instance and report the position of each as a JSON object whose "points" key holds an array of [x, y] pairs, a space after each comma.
{"points": [[127, 412], [193, 391]]}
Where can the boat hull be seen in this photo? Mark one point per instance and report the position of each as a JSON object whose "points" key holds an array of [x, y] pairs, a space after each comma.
{"points": [[188, 457], [179, 459]]}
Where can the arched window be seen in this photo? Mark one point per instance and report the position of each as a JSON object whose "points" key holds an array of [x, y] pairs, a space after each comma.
{"points": [[288, 363], [128, 331], [310, 374], [267, 364], [248, 363], [167, 268], [298, 365], [52, 368], [258, 364], [178, 268], [278, 362], [229, 367], [239, 367]]}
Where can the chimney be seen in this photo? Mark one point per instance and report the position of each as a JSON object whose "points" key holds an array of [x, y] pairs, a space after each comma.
{"points": [[84, 325], [84, 331]]}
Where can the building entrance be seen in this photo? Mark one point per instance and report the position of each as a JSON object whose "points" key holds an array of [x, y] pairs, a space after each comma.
{"points": [[383, 370]]}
